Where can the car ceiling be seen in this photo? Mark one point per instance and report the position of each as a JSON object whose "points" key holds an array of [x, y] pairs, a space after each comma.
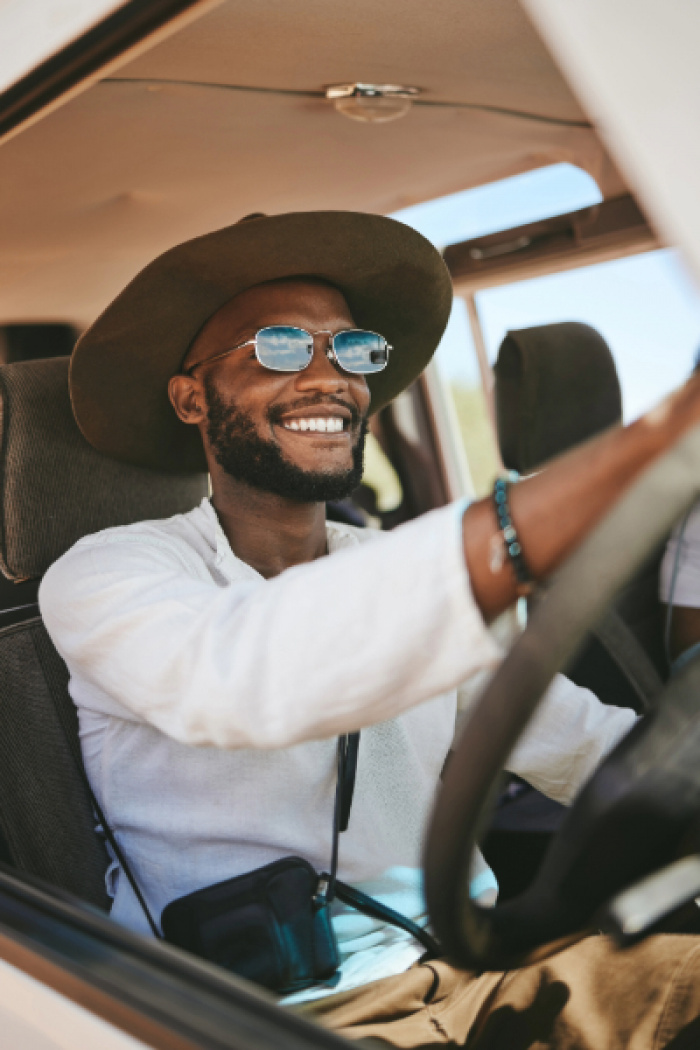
{"points": [[228, 117]]}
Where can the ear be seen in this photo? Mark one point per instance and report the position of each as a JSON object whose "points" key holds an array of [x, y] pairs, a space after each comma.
{"points": [[186, 394]]}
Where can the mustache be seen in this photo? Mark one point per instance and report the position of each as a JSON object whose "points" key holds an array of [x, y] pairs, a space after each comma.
{"points": [[276, 413]]}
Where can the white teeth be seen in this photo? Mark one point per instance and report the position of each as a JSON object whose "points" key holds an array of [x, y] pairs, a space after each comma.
{"points": [[323, 425]]}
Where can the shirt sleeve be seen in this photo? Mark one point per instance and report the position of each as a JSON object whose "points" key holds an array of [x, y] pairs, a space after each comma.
{"points": [[567, 738], [569, 735], [347, 641], [679, 581]]}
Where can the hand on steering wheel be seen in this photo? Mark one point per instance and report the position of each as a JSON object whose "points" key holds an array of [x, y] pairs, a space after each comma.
{"points": [[630, 818]]}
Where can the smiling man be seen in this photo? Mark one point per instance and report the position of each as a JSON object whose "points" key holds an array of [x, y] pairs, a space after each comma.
{"points": [[271, 431], [216, 657]]}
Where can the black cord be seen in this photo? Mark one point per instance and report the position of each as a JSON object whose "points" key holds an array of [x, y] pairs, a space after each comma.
{"points": [[348, 773], [109, 835], [329, 889], [479, 107], [119, 854], [348, 749], [369, 906]]}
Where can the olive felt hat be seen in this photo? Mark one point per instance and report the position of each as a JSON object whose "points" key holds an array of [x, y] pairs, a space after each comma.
{"points": [[393, 279]]}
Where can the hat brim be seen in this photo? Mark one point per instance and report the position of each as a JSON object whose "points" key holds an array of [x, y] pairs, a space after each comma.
{"points": [[393, 279]]}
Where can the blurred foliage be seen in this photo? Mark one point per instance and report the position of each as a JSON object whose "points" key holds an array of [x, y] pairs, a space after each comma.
{"points": [[381, 476], [477, 435]]}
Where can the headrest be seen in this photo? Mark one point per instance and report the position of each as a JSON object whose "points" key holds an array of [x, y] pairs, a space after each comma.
{"points": [[55, 487], [27, 342], [556, 386]]}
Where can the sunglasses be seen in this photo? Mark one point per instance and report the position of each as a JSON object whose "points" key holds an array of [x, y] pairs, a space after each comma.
{"points": [[283, 348]]}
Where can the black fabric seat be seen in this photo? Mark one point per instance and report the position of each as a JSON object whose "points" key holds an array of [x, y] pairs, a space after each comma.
{"points": [[27, 342], [45, 813], [556, 385], [55, 489]]}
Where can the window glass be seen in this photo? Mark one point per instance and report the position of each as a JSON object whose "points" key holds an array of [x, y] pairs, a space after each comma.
{"points": [[644, 306], [528, 197], [458, 366], [534, 195], [381, 477]]}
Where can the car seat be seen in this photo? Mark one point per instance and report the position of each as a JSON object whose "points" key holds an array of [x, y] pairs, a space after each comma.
{"points": [[26, 342], [55, 489], [556, 386]]}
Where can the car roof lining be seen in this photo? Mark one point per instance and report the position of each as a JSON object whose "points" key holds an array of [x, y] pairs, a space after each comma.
{"points": [[225, 117]]}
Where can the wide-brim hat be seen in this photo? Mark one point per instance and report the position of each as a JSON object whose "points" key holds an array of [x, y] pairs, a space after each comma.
{"points": [[394, 280]]}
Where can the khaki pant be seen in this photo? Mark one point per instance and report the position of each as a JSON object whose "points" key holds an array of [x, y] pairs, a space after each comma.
{"points": [[587, 997]]}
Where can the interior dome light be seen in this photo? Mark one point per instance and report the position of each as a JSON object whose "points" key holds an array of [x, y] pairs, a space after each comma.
{"points": [[372, 103]]}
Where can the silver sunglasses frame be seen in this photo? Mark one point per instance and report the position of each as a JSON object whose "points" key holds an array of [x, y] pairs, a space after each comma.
{"points": [[330, 351]]}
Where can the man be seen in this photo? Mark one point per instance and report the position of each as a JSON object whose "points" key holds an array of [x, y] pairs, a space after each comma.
{"points": [[216, 656]]}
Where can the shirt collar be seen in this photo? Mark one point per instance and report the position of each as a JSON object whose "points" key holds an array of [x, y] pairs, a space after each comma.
{"points": [[338, 535]]}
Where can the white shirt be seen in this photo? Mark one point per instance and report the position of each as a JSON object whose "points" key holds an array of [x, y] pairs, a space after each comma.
{"points": [[210, 699]]}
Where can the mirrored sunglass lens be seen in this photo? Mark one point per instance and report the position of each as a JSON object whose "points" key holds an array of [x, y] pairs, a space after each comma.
{"points": [[284, 349], [359, 351]]}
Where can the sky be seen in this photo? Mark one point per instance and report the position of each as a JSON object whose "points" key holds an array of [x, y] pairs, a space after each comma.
{"points": [[646, 306]]}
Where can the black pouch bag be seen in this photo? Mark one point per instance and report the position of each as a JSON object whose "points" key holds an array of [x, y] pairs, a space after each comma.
{"points": [[270, 926]]}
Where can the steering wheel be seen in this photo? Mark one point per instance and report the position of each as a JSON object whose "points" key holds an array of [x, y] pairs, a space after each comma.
{"points": [[631, 817]]}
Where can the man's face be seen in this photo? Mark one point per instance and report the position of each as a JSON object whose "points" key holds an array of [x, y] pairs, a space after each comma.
{"points": [[261, 426]]}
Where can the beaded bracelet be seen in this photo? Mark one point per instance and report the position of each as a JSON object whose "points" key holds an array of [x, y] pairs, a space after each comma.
{"points": [[513, 550]]}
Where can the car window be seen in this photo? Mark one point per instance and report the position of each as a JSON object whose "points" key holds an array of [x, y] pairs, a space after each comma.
{"points": [[528, 197], [645, 306]]}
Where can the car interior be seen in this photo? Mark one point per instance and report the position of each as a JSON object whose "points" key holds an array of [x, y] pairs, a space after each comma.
{"points": [[623, 860], [556, 386], [105, 165]]}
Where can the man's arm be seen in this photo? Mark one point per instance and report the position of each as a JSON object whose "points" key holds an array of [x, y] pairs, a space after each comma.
{"points": [[554, 510], [324, 648], [337, 644]]}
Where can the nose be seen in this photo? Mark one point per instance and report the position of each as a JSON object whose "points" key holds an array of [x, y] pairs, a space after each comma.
{"points": [[323, 373]]}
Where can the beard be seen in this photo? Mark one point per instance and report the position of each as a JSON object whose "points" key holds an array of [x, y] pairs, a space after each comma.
{"points": [[245, 456]]}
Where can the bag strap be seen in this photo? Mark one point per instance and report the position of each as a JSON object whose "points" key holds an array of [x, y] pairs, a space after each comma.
{"points": [[330, 885], [348, 747], [369, 906], [347, 773], [348, 750], [116, 849]]}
